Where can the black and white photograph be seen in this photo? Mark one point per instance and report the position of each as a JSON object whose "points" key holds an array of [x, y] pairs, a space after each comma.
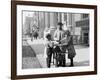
{"points": [[51, 40], [55, 39]]}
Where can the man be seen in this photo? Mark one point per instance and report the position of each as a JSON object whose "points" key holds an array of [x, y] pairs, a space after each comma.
{"points": [[58, 35]]}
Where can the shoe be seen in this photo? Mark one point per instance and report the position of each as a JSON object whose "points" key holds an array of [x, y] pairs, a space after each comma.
{"points": [[63, 65], [71, 65]]}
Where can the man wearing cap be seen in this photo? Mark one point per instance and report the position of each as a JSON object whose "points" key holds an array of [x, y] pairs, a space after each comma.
{"points": [[58, 35]]}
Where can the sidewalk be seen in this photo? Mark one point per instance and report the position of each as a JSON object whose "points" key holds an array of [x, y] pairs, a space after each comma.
{"points": [[29, 59], [81, 58]]}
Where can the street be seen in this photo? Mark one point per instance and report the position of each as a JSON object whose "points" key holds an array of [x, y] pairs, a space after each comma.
{"points": [[33, 55], [29, 59]]}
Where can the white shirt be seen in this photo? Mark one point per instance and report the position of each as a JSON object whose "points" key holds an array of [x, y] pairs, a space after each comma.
{"points": [[58, 34]]}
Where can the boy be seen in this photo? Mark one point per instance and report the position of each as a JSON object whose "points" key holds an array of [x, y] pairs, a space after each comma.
{"points": [[49, 50]]}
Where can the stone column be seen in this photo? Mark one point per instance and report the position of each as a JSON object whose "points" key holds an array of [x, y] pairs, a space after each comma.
{"points": [[59, 17], [62, 18], [73, 24], [41, 24], [53, 22], [67, 20], [47, 20]]}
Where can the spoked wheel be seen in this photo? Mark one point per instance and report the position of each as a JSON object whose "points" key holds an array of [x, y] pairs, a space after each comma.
{"points": [[57, 50], [57, 60], [60, 60]]}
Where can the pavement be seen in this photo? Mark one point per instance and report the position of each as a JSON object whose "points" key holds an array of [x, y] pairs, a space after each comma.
{"points": [[29, 59], [81, 58]]}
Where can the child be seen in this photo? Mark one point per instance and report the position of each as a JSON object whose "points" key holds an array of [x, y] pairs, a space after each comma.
{"points": [[49, 45]]}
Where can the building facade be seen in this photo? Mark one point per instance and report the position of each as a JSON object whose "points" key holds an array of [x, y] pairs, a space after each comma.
{"points": [[78, 24], [83, 24]]}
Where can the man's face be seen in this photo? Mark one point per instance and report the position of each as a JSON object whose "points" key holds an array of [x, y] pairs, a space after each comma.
{"points": [[59, 27]]}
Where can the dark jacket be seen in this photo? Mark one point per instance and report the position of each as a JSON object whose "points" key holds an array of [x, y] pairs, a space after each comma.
{"points": [[68, 44], [70, 47]]}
